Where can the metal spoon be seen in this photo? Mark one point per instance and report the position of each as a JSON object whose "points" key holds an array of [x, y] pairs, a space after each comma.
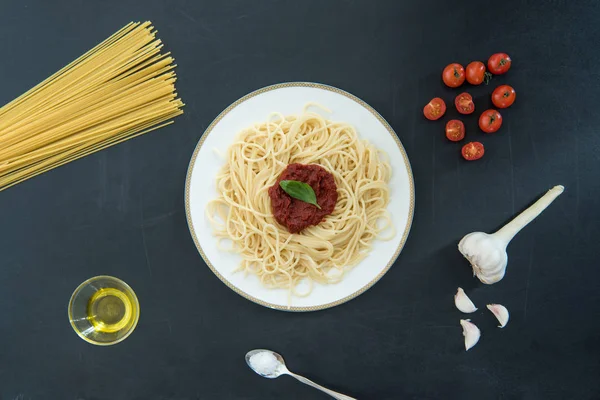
{"points": [[282, 370]]}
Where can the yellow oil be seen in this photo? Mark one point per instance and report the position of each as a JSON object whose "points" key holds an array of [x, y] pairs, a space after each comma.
{"points": [[111, 310]]}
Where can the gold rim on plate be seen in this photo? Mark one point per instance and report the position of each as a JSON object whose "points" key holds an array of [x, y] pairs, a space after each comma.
{"points": [[315, 86]]}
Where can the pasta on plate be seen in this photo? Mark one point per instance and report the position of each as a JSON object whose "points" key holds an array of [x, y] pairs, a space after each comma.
{"points": [[242, 214]]}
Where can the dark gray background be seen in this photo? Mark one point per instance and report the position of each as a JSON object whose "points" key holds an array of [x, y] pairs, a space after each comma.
{"points": [[121, 211]]}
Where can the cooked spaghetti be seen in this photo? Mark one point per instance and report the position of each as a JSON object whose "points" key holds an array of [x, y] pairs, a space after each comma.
{"points": [[120, 89], [322, 253]]}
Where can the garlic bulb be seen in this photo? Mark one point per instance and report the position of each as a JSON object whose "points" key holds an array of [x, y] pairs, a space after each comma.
{"points": [[500, 312], [487, 255], [471, 333], [463, 302], [487, 252]]}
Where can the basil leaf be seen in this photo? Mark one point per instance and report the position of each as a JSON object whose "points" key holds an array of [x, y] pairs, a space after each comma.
{"points": [[301, 191]]}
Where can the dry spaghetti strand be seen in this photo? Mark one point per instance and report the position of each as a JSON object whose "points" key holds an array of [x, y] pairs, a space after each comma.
{"points": [[120, 89], [242, 215]]}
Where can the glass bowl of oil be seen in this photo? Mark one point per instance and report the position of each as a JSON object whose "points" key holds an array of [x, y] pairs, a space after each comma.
{"points": [[104, 310]]}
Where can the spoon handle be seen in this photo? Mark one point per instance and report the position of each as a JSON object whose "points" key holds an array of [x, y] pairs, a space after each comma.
{"points": [[333, 394]]}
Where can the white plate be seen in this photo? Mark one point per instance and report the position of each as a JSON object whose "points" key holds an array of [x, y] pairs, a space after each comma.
{"points": [[289, 98]]}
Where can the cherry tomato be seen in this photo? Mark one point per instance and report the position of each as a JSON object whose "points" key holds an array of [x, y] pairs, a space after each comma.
{"points": [[490, 121], [473, 151], [504, 96], [499, 63], [455, 130], [434, 109], [476, 73], [453, 75], [464, 103]]}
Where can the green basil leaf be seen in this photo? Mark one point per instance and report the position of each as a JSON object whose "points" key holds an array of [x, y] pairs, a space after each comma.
{"points": [[301, 191]]}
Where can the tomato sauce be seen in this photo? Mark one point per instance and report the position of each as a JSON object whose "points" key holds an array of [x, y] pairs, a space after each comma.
{"points": [[296, 214]]}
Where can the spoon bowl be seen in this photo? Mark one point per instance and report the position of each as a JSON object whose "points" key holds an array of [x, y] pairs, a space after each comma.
{"points": [[280, 370]]}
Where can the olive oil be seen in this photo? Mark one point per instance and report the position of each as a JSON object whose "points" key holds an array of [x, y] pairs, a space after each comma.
{"points": [[110, 310], [104, 310]]}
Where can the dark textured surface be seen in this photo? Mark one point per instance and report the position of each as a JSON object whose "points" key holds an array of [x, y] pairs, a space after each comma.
{"points": [[121, 212]]}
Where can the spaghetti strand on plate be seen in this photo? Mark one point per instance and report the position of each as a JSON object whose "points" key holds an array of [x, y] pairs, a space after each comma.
{"points": [[242, 212]]}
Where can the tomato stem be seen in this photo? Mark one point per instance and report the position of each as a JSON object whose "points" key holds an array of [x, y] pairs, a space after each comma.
{"points": [[487, 77]]}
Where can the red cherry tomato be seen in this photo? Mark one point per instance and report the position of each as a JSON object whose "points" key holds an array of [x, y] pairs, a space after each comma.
{"points": [[473, 151], [499, 63], [476, 73], [490, 121], [464, 103], [434, 109], [504, 96], [455, 130], [453, 75]]}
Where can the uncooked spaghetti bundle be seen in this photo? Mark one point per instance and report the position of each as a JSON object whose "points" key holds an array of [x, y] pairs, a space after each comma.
{"points": [[120, 89]]}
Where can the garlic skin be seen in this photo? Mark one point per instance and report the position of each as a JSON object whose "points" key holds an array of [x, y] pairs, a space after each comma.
{"points": [[471, 333], [463, 302], [500, 312], [487, 252]]}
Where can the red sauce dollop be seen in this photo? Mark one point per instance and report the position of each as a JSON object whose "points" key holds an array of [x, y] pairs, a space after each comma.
{"points": [[296, 214]]}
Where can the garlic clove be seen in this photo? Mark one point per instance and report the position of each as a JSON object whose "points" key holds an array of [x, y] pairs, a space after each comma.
{"points": [[500, 312], [463, 302], [471, 333]]}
